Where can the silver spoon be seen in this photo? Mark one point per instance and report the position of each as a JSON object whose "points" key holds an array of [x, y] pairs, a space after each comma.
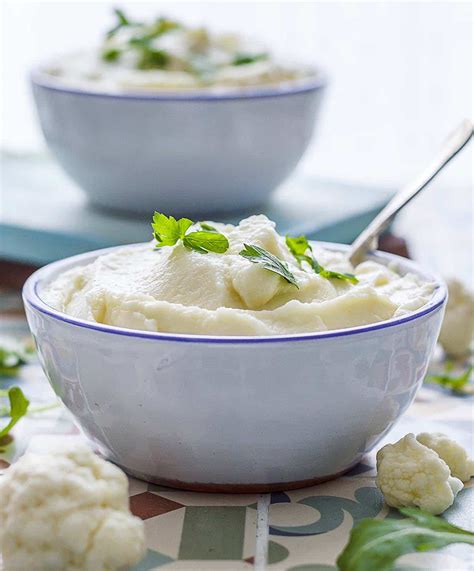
{"points": [[368, 238]]}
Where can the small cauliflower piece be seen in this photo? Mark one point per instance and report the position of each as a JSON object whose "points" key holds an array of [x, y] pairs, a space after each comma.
{"points": [[457, 330], [410, 474], [67, 510], [451, 452]]}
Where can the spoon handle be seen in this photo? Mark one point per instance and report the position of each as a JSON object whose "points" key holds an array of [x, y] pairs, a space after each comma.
{"points": [[368, 237]]}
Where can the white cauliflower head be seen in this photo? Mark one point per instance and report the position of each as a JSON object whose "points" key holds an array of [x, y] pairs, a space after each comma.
{"points": [[457, 330], [67, 510], [451, 452], [410, 474]]}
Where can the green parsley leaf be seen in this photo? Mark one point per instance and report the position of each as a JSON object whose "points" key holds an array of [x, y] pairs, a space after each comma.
{"points": [[163, 26], [111, 54], [268, 261], [167, 231], [244, 59], [18, 407], [208, 227], [299, 246], [375, 544], [456, 383], [152, 59], [205, 242], [122, 21]]}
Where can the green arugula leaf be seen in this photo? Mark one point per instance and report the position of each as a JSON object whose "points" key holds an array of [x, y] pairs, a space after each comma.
{"points": [[167, 231], [299, 246], [244, 59], [268, 261], [456, 383], [375, 544], [18, 408]]}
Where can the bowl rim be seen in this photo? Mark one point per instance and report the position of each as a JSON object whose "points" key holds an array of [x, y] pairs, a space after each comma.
{"points": [[313, 82], [32, 298]]}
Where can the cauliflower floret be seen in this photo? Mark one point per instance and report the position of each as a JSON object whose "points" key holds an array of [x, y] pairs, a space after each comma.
{"points": [[451, 452], [457, 330], [67, 510], [410, 474]]}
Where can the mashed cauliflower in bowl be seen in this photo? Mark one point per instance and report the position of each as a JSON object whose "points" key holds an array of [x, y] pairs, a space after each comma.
{"points": [[163, 54], [264, 365], [177, 290]]}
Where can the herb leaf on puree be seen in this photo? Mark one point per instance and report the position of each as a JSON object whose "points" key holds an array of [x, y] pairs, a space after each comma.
{"points": [[375, 544], [268, 261], [245, 59], [300, 245], [167, 231], [18, 408]]}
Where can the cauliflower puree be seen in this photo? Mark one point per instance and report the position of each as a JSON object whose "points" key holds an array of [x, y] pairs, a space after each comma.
{"points": [[177, 290], [165, 54]]}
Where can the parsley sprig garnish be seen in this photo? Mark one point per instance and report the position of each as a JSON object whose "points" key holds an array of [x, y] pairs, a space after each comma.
{"points": [[168, 231], [122, 22], [244, 58], [149, 57], [300, 247], [268, 261]]}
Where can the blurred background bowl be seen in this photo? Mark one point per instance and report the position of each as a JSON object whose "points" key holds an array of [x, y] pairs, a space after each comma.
{"points": [[182, 152]]}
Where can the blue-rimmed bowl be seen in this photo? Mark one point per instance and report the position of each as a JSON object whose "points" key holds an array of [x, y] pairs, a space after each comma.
{"points": [[234, 413], [185, 152]]}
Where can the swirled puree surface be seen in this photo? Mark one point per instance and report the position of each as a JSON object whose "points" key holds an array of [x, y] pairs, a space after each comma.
{"points": [[177, 290], [164, 54]]}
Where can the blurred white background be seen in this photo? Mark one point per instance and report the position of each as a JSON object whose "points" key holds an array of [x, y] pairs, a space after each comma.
{"points": [[400, 77], [400, 72]]}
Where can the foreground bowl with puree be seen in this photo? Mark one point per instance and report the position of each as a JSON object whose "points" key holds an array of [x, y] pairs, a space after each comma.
{"points": [[266, 363], [162, 113]]}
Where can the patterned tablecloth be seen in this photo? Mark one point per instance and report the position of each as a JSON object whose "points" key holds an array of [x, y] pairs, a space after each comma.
{"points": [[302, 530]]}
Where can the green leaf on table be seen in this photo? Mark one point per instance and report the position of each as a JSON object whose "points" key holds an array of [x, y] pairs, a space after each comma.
{"points": [[268, 261], [18, 408], [458, 384], [375, 544], [13, 356], [300, 247], [168, 231]]}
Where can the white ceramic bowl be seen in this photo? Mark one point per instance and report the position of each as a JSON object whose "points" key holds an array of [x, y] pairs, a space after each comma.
{"points": [[183, 152], [234, 413]]}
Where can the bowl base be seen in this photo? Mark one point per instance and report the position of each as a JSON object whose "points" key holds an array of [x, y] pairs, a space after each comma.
{"points": [[236, 488]]}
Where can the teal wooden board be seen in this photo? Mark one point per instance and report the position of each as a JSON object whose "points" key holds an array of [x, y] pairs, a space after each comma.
{"points": [[45, 217]]}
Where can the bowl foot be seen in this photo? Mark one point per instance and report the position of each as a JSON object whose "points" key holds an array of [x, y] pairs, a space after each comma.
{"points": [[237, 488]]}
